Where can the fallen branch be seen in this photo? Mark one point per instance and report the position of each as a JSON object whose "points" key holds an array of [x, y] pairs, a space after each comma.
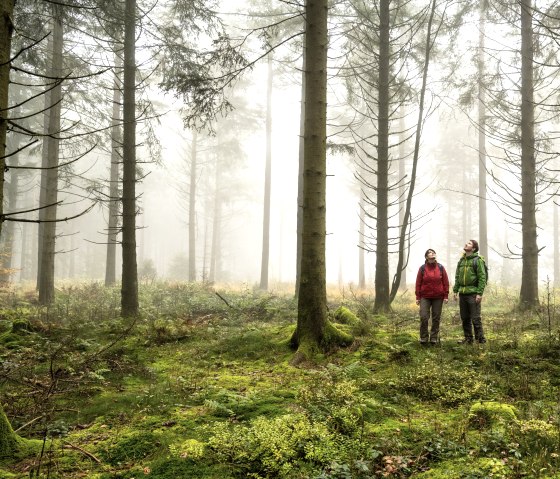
{"points": [[83, 451]]}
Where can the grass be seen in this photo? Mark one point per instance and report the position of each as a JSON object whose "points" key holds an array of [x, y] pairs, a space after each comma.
{"points": [[202, 386]]}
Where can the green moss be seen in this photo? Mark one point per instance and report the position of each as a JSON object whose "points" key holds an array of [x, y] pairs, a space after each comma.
{"points": [[13, 446], [335, 337], [479, 468], [176, 468], [132, 447], [344, 316], [490, 414]]}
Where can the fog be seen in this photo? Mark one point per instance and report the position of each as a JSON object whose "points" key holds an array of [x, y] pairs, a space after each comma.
{"points": [[445, 205]]}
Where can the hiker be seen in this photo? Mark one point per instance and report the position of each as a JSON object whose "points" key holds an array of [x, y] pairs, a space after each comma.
{"points": [[470, 281], [432, 290]]}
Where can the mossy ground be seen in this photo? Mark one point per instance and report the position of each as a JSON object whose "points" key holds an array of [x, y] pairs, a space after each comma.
{"points": [[200, 387]]}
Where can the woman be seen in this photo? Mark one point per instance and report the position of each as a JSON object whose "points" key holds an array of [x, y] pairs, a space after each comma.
{"points": [[432, 290]]}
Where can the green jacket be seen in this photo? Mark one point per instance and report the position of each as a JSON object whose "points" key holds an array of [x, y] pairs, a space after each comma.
{"points": [[467, 280]]}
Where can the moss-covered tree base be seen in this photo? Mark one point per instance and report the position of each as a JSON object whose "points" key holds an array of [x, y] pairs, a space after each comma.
{"points": [[13, 447], [308, 347]]}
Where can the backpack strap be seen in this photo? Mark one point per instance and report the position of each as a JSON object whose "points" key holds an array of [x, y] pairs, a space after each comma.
{"points": [[440, 266], [475, 265]]}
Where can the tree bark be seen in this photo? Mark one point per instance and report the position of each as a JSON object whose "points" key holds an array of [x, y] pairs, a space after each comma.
{"points": [[8, 439], [402, 188], [116, 157], [529, 294], [313, 331], [267, 181], [482, 216], [382, 300], [52, 144], [361, 251], [8, 230], [6, 30], [301, 155], [129, 291]]}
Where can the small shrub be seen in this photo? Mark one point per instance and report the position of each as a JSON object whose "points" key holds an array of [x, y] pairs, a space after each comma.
{"points": [[191, 448], [441, 382], [275, 447], [536, 436], [334, 398]]}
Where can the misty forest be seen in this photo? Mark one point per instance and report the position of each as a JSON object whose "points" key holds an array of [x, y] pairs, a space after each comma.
{"points": [[216, 219]]}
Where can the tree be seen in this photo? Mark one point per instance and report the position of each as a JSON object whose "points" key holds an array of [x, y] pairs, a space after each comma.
{"points": [[113, 200], [129, 288], [482, 216], [383, 44], [382, 299], [314, 332], [9, 441], [49, 176], [529, 293], [192, 207], [267, 180]]}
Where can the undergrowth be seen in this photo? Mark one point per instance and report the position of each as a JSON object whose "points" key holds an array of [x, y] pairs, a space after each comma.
{"points": [[201, 385]]}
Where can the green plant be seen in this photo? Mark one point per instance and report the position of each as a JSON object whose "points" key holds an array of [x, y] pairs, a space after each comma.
{"points": [[275, 447], [442, 382]]}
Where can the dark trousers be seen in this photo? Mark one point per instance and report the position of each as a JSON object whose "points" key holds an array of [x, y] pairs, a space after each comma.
{"points": [[426, 305], [470, 317]]}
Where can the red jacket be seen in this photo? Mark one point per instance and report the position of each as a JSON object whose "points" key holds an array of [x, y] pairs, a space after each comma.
{"points": [[432, 282]]}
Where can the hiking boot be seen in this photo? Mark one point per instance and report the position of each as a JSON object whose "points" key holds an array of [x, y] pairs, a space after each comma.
{"points": [[465, 341], [481, 341]]}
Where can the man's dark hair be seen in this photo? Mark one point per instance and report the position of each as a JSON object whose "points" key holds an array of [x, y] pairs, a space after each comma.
{"points": [[475, 245]]}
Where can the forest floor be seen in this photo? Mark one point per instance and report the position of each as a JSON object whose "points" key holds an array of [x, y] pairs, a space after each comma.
{"points": [[202, 386]]}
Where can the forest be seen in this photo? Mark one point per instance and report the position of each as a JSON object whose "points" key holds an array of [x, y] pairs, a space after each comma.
{"points": [[212, 220]]}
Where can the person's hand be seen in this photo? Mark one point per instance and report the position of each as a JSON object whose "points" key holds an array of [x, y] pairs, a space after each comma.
{"points": [[478, 298], [417, 301], [445, 300]]}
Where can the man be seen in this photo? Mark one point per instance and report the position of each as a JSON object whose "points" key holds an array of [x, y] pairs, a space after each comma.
{"points": [[470, 281]]}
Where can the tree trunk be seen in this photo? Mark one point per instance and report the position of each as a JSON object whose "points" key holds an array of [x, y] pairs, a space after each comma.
{"points": [[529, 294], [192, 208], [216, 224], [48, 237], [482, 217], [361, 251], [406, 222], [116, 158], [7, 240], [556, 254], [313, 331], [300, 172], [267, 178], [129, 291], [8, 439], [402, 188], [382, 300], [6, 30]]}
